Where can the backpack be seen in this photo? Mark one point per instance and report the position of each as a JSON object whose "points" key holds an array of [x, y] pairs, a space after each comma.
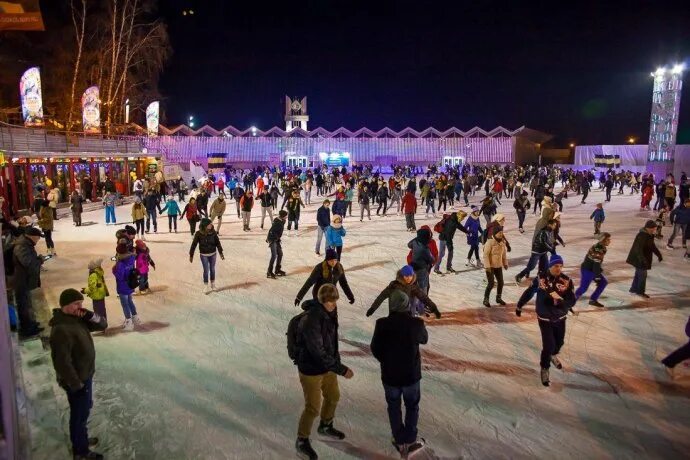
{"points": [[133, 278], [294, 336], [438, 228]]}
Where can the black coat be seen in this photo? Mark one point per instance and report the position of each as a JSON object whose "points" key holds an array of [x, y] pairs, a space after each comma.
{"points": [[449, 228], [276, 231], [395, 345], [27, 264], [208, 242], [319, 352], [643, 247], [322, 274]]}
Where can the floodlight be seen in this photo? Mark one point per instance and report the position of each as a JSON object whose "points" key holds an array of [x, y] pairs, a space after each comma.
{"points": [[678, 68]]}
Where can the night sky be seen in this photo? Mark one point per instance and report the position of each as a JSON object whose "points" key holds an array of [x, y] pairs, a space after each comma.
{"points": [[578, 72]]}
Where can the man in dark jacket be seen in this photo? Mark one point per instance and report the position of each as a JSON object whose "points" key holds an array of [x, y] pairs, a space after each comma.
{"points": [[680, 219], [406, 281], [640, 257], [319, 366], [679, 355], [445, 238], [543, 242], [395, 345], [555, 297], [237, 194], [152, 203], [273, 240], [323, 220], [74, 360], [27, 277], [329, 271]]}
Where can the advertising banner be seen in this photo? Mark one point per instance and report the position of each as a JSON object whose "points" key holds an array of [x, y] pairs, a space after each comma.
{"points": [[20, 15], [152, 118], [32, 102], [91, 110]]}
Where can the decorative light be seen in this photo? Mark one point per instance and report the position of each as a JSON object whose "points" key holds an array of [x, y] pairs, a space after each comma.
{"points": [[678, 68], [572, 145], [631, 140], [660, 71]]}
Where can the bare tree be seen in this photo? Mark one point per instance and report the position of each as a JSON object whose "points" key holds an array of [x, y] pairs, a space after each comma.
{"points": [[79, 21]]}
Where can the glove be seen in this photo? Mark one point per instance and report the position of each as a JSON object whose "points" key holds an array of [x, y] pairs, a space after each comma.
{"points": [[369, 312], [191, 259], [352, 300], [297, 301], [222, 257], [660, 259], [437, 314], [518, 311]]}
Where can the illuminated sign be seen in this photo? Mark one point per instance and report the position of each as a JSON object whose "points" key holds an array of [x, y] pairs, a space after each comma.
{"points": [[335, 158], [91, 110], [152, 118], [32, 102]]}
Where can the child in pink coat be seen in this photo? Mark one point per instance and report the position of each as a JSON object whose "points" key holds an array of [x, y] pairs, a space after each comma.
{"points": [[142, 263]]}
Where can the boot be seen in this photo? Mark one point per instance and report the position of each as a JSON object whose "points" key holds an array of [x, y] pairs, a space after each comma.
{"points": [[90, 455], [499, 300], [595, 303], [304, 449], [280, 273], [326, 429], [556, 362], [486, 302], [270, 275], [545, 377]]}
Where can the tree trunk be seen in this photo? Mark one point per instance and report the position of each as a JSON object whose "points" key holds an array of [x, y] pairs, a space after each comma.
{"points": [[80, 45]]}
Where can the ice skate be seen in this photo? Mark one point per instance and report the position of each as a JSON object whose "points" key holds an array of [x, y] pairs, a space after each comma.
{"points": [[468, 262], [500, 301], [451, 270], [670, 371], [556, 362], [280, 273], [270, 275], [128, 325], [438, 272], [91, 455], [670, 247], [304, 449], [213, 285], [136, 321], [486, 302], [545, 377], [415, 447], [596, 303], [326, 429], [207, 289]]}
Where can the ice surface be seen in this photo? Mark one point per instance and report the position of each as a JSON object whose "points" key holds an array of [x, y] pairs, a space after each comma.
{"points": [[209, 376]]}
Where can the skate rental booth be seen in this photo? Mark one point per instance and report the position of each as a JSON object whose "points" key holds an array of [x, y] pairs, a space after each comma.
{"points": [[33, 158]]}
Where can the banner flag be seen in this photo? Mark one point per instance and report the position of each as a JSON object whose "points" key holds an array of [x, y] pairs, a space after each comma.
{"points": [[152, 118], [32, 102], [91, 110]]}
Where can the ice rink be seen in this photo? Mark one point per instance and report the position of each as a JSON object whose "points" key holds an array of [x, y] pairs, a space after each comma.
{"points": [[208, 376]]}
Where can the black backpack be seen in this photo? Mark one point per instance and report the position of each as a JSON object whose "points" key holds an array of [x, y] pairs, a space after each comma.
{"points": [[294, 336], [133, 278]]}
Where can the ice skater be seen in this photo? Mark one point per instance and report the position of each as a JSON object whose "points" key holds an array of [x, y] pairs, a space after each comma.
{"points": [[209, 245], [591, 270]]}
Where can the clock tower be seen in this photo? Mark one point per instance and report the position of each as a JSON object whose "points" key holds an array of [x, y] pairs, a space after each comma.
{"points": [[296, 113]]}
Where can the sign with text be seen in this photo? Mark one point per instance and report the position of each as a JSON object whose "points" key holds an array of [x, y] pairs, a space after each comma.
{"points": [[20, 15]]}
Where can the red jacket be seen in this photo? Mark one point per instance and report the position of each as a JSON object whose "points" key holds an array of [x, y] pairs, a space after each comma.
{"points": [[409, 203]]}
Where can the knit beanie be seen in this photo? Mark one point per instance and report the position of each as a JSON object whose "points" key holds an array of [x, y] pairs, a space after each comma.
{"points": [[70, 295], [650, 224], [555, 260], [331, 254], [398, 302], [95, 263], [407, 270], [130, 230], [282, 214], [204, 223]]}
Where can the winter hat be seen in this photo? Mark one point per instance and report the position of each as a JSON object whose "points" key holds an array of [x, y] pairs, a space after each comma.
{"points": [[204, 223], [33, 231], [498, 217], [122, 249], [547, 199], [555, 259], [95, 263], [70, 295], [407, 270], [398, 302], [282, 214], [474, 208], [130, 230], [140, 244], [603, 236], [331, 254], [650, 224]]}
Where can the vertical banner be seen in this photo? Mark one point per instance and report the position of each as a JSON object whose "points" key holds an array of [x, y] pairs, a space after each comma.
{"points": [[91, 110], [32, 102], [20, 15], [152, 118]]}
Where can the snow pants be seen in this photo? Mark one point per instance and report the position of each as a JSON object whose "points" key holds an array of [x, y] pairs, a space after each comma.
{"points": [[552, 337], [314, 388], [403, 432]]}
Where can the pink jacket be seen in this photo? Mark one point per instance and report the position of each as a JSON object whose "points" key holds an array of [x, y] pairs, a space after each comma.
{"points": [[142, 262]]}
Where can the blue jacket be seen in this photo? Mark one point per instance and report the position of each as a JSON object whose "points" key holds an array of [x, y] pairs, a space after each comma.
{"points": [[121, 271], [339, 207], [474, 228], [334, 236], [598, 215], [323, 217], [680, 215], [172, 207]]}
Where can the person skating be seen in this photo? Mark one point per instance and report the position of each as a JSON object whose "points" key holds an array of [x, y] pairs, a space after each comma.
{"points": [[209, 244], [126, 281], [246, 205], [680, 219], [334, 235], [446, 231], [409, 208], [27, 277], [382, 197], [323, 221], [142, 263], [138, 216], [267, 206], [473, 227], [640, 257], [294, 206], [555, 297], [173, 210], [598, 216], [273, 239], [395, 344], [547, 212], [591, 270], [405, 280], [318, 363], [202, 202], [363, 198], [679, 355], [152, 203], [488, 208], [45, 222], [217, 210], [543, 243], [422, 261], [396, 198], [74, 360], [76, 205], [521, 205], [238, 194], [585, 190], [329, 271], [191, 213], [495, 261], [96, 288]]}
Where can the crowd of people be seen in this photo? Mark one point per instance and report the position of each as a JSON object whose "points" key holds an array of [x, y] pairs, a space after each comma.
{"points": [[440, 194]]}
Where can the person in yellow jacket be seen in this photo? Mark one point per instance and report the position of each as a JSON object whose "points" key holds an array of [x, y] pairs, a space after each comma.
{"points": [[138, 216], [96, 288], [45, 222]]}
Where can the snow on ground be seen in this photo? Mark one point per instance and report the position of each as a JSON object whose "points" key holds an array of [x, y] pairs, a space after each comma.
{"points": [[209, 378]]}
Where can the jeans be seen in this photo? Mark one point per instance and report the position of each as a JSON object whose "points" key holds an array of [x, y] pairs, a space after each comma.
{"points": [[586, 278], [80, 403], [383, 203], [128, 307], [540, 258], [143, 282], [442, 245], [362, 208], [266, 210], [639, 282], [192, 226], [683, 229], [403, 432], [521, 218], [319, 236], [110, 214], [296, 221], [314, 387], [492, 273], [552, 336], [209, 265], [151, 217], [681, 354], [430, 205], [276, 256], [172, 222]]}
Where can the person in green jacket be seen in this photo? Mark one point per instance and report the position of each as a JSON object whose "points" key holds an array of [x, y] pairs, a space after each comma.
{"points": [[96, 288], [74, 360]]}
